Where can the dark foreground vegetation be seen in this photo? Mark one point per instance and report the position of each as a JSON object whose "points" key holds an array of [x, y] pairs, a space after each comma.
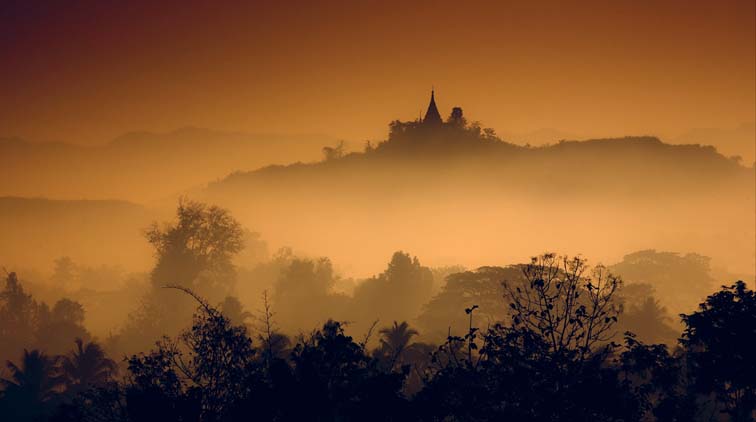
{"points": [[553, 339], [552, 361]]}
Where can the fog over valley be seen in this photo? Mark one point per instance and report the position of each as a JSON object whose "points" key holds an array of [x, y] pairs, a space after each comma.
{"points": [[393, 211]]}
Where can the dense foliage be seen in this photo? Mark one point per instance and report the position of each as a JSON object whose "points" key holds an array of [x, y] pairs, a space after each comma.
{"points": [[551, 361]]}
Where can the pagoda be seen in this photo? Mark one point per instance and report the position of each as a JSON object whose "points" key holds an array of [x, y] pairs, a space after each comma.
{"points": [[432, 116]]}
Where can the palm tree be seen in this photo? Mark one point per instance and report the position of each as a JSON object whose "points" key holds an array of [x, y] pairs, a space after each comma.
{"points": [[31, 385], [395, 339], [87, 366], [232, 309]]}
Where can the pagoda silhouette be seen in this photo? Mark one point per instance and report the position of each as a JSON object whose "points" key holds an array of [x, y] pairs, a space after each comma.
{"points": [[432, 116]]}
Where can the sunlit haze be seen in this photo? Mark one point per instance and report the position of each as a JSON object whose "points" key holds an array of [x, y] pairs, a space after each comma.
{"points": [[377, 210], [87, 73]]}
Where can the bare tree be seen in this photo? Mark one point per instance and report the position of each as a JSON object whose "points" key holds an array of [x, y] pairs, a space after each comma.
{"points": [[566, 302], [214, 357], [274, 343]]}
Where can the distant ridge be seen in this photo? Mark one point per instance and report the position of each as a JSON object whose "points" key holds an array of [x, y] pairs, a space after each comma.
{"points": [[571, 160], [193, 134], [142, 166]]}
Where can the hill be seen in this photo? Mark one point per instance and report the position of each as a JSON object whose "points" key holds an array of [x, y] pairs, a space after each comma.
{"points": [[621, 165], [142, 166], [480, 199]]}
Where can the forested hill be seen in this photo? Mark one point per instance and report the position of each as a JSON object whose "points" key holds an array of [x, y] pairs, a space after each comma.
{"points": [[627, 165], [480, 199], [142, 166]]}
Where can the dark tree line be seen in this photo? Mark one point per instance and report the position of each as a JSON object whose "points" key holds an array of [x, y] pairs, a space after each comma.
{"points": [[25, 322], [40, 385], [553, 360]]}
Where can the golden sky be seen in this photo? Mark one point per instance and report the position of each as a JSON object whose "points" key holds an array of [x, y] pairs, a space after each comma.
{"points": [[87, 71]]}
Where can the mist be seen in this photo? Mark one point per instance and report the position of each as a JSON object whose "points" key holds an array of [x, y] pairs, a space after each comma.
{"points": [[440, 217], [217, 213], [452, 196]]}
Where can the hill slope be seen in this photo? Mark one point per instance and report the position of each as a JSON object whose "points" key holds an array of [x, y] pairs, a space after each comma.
{"points": [[497, 202], [142, 166]]}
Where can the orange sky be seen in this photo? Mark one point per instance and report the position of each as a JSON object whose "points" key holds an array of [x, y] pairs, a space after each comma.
{"points": [[86, 72]]}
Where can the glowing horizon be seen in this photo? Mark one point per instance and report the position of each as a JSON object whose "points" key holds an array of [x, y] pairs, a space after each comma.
{"points": [[88, 74]]}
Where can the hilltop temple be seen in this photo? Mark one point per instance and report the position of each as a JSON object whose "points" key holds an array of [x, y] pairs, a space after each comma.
{"points": [[433, 117], [432, 133]]}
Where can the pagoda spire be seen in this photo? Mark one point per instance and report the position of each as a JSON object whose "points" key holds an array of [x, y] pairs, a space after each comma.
{"points": [[432, 116]]}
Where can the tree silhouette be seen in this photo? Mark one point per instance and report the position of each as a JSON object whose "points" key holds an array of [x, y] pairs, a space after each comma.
{"points": [[456, 117], [204, 238], [32, 387], [462, 290], [683, 280], [395, 294], [718, 339], [644, 316], [303, 293], [333, 153], [336, 380], [513, 373], [543, 366], [26, 323], [207, 365], [657, 379], [64, 274], [232, 308], [565, 302], [68, 311], [395, 340], [19, 317], [275, 346], [87, 366], [57, 328], [194, 252]]}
